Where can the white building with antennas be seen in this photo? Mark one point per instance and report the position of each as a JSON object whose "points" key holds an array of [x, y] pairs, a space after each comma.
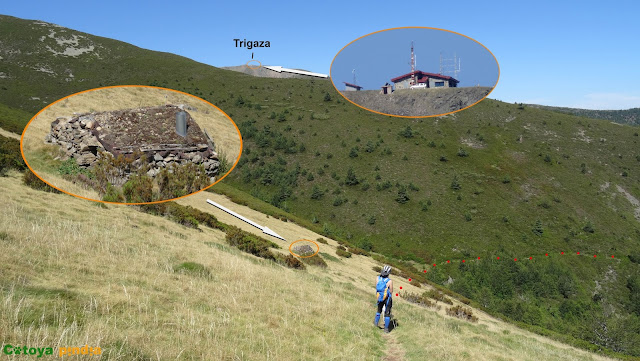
{"points": [[421, 79]]}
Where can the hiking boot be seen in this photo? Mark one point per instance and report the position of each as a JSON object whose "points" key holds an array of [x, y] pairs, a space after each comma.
{"points": [[386, 330]]}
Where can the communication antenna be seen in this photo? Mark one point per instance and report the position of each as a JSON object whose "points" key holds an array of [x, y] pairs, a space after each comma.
{"points": [[354, 77], [450, 66], [413, 66]]}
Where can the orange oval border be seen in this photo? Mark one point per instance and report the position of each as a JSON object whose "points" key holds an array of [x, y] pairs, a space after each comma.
{"points": [[415, 116], [131, 86], [304, 240], [250, 67]]}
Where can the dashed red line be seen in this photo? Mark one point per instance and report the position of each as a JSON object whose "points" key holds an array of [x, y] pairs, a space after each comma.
{"points": [[515, 259]]}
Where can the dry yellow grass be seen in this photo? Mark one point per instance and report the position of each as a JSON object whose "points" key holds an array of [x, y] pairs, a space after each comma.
{"points": [[423, 330], [8, 134], [39, 154], [117, 264], [77, 273]]}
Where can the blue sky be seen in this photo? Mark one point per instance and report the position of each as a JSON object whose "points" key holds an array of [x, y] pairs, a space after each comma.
{"points": [[381, 56], [563, 53]]}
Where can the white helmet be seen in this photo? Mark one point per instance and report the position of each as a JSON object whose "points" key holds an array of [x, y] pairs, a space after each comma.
{"points": [[386, 270]]}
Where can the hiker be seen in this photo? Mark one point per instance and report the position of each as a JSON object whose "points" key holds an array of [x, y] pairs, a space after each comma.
{"points": [[384, 288]]}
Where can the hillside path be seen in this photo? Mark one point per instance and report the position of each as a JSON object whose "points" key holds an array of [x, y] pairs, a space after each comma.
{"points": [[394, 351], [8, 134]]}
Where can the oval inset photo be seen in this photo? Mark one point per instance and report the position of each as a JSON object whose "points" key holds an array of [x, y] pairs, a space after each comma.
{"points": [[131, 144], [414, 72]]}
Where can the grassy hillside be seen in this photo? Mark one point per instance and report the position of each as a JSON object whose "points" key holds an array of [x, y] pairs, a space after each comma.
{"points": [[625, 116], [143, 287], [493, 180]]}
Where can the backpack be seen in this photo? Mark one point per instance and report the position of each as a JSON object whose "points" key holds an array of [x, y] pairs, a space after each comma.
{"points": [[382, 289]]}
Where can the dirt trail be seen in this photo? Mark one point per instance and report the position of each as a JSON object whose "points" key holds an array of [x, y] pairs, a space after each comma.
{"points": [[8, 134], [394, 351]]}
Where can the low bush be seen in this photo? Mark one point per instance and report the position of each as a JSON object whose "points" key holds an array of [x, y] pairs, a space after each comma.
{"points": [[462, 313], [112, 194], [316, 260], [421, 300], [180, 180], [342, 252], [438, 296], [290, 261], [185, 215], [250, 243], [359, 251], [322, 240], [138, 189], [10, 156]]}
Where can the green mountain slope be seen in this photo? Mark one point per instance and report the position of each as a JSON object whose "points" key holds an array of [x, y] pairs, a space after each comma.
{"points": [[143, 287], [493, 180]]}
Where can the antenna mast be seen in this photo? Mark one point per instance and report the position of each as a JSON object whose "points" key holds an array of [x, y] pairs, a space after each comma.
{"points": [[354, 77], [449, 66], [413, 66]]}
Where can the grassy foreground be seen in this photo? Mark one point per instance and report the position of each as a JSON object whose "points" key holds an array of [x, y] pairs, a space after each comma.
{"points": [[77, 273]]}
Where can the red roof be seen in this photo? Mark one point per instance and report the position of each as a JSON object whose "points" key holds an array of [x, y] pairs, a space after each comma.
{"points": [[352, 85], [421, 74]]}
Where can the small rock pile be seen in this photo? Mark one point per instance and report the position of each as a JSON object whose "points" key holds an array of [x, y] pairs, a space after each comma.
{"points": [[303, 250], [150, 131]]}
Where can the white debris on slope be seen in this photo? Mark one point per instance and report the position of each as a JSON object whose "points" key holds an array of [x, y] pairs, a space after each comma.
{"points": [[633, 200], [70, 43]]}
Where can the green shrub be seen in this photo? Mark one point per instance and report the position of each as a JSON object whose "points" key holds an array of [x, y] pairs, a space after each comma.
{"points": [[322, 240], [111, 170], [138, 189], [290, 261], [407, 132], [402, 197], [455, 184], [112, 194], [588, 227], [249, 243], [180, 180], [351, 179], [418, 299], [185, 215], [10, 156], [438, 296], [462, 313], [34, 182], [71, 167], [315, 260], [343, 253], [538, 229], [359, 251], [316, 192]]}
